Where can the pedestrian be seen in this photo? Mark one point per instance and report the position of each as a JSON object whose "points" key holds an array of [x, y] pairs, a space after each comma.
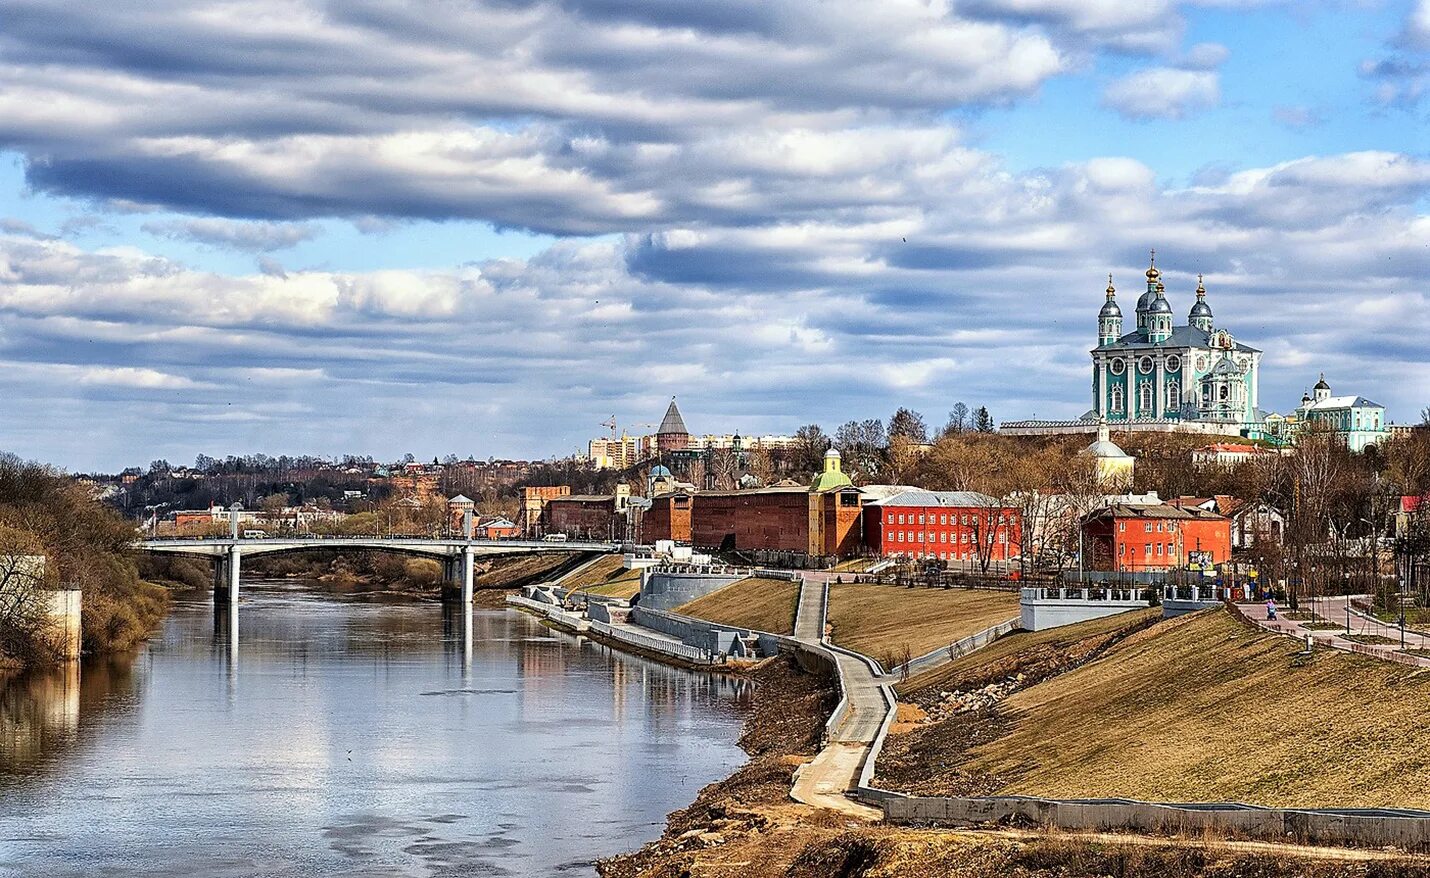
{"points": [[1271, 609]]}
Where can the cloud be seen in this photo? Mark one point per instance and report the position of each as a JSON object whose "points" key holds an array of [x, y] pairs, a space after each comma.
{"points": [[1416, 32], [255, 237], [828, 315], [1163, 93]]}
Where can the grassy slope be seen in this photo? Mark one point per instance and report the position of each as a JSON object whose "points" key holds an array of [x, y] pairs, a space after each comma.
{"points": [[506, 572], [761, 604], [1036, 653], [880, 620], [606, 577], [1205, 709]]}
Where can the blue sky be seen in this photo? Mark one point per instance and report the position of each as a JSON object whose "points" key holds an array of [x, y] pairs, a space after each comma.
{"points": [[383, 227]]}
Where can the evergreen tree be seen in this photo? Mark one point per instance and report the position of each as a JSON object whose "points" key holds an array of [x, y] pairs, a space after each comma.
{"points": [[982, 421]]}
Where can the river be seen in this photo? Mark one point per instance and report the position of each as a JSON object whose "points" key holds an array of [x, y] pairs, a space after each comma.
{"points": [[352, 735]]}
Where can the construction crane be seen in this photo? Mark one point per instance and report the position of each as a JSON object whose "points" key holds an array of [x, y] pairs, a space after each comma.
{"points": [[610, 422]]}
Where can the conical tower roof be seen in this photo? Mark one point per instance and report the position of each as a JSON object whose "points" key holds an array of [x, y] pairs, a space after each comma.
{"points": [[672, 422]]}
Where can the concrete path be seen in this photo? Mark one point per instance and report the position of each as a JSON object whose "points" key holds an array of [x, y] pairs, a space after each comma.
{"points": [[826, 781], [1334, 610]]}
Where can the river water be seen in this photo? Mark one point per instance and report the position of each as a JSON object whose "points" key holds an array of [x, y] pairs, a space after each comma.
{"points": [[347, 735]]}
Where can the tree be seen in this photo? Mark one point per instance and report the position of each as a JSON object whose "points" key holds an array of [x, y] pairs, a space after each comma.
{"points": [[862, 445], [810, 445], [909, 424], [982, 420], [957, 419]]}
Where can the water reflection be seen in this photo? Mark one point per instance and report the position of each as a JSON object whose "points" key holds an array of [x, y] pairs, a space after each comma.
{"points": [[349, 735]]}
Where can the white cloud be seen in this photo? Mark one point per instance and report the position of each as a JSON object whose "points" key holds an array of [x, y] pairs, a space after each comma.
{"points": [[261, 237], [1163, 93]]}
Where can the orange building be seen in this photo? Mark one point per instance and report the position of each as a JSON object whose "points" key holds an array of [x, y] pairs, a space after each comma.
{"points": [[1137, 537]]}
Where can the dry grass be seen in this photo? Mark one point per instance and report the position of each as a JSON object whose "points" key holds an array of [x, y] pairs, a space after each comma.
{"points": [[507, 572], [597, 573], [1037, 654], [1203, 708], [607, 577], [755, 603], [880, 620]]}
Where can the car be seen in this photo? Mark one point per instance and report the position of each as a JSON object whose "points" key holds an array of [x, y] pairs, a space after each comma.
{"points": [[254, 534], [554, 538]]}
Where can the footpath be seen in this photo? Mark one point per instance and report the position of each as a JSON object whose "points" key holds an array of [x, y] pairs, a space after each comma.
{"points": [[854, 728], [1339, 610]]}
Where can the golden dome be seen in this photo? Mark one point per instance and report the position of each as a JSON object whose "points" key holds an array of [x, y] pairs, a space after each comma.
{"points": [[1110, 288], [1152, 272]]}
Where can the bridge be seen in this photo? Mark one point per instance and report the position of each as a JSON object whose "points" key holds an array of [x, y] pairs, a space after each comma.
{"points": [[456, 554]]}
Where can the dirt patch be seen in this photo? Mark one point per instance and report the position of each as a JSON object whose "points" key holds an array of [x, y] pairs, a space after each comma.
{"points": [[748, 817]]}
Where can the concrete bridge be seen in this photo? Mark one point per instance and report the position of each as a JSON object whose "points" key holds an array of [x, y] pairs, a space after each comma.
{"points": [[456, 553]]}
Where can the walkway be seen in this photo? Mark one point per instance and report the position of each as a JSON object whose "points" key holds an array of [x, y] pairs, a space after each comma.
{"points": [[1334, 610], [826, 781]]}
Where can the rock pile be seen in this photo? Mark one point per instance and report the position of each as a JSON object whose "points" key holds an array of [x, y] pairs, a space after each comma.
{"points": [[972, 700]]}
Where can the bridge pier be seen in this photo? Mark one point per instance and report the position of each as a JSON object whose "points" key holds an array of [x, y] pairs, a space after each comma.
{"points": [[227, 572], [459, 574]]}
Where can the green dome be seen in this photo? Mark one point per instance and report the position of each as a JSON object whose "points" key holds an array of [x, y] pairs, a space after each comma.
{"points": [[832, 477]]}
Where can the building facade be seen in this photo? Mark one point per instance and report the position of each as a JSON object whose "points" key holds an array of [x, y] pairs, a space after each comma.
{"points": [[1354, 420], [1196, 372], [1138, 538], [948, 525]]}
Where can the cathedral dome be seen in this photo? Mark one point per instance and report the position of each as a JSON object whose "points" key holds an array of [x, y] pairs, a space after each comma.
{"points": [[1322, 385], [1200, 309], [1160, 306], [1110, 308]]}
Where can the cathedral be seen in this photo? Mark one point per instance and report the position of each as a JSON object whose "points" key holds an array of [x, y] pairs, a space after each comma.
{"points": [[1176, 374]]}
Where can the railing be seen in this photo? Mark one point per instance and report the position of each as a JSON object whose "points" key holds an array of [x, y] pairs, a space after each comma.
{"points": [[655, 644], [1090, 594], [957, 649]]}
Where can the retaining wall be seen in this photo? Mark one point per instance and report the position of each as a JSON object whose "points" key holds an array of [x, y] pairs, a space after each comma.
{"points": [[1040, 609], [1404, 829], [667, 590]]}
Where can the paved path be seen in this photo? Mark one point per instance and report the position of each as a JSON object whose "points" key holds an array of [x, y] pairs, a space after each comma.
{"points": [[1334, 610], [825, 781]]}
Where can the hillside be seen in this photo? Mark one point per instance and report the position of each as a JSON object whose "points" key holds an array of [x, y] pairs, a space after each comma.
{"points": [[1201, 708], [755, 603], [884, 621]]}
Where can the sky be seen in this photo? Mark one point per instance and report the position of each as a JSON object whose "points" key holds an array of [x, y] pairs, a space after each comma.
{"points": [[483, 227]]}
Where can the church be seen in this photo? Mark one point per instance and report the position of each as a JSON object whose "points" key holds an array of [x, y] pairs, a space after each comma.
{"points": [[1196, 374]]}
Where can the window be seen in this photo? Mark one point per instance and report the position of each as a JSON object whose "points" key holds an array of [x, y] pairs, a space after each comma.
{"points": [[1174, 395], [921, 536], [1117, 399], [1174, 363], [943, 519], [1159, 548], [1148, 525], [1144, 396], [1144, 365], [1122, 527], [1146, 550], [921, 518], [1118, 366]]}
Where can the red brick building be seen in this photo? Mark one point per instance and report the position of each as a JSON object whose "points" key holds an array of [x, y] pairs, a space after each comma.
{"points": [[822, 520], [1137, 537], [668, 517], [948, 525], [591, 516]]}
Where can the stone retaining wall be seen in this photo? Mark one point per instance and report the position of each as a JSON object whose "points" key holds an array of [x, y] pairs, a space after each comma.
{"points": [[1408, 830]]}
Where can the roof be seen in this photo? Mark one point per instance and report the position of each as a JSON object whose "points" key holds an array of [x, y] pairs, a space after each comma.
{"points": [[499, 521], [1340, 402], [920, 497], [1106, 449], [1157, 510], [672, 422], [659, 471], [1182, 337], [460, 498], [1231, 448], [584, 498]]}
